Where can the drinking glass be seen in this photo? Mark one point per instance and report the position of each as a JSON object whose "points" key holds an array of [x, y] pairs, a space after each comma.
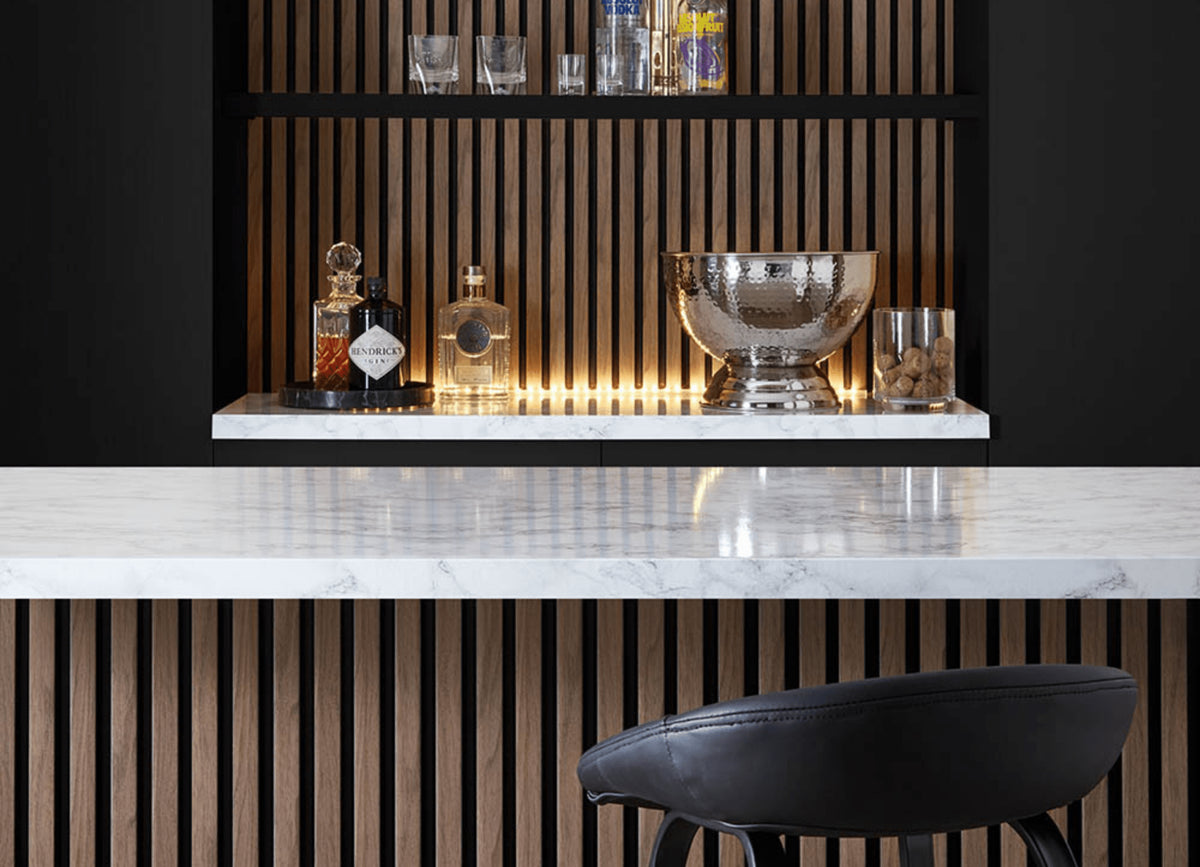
{"points": [[914, 356], [500, 64], [571, 74], [433, 64]]}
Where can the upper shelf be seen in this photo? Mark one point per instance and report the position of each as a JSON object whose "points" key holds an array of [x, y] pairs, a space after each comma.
{"points": [[743, 107]]}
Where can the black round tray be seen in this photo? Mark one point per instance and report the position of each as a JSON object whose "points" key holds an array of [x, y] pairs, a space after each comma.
{"points": [[302, 395]]}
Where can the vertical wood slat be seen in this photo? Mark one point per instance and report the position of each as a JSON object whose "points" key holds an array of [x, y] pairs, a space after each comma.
{"points": [[164, 774], [529, 732], [1175, 747], [812, 673], [973, 653], [83, 731], [41, 727], [651, 699], [448, 733], [286, 733], [8, 702], [1012, 652], [1094, 651], [609, 715], [408, 733], [489, 732], [1135, 758], [689, 680], [730, 684], [204, 732], [327, 679], [367, 709], [569, 737], [245, 730], [125, 731], [851, 666]]}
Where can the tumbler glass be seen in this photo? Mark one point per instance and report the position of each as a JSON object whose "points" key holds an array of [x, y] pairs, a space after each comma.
{"points": [[571, 74], [500, 64], [914, 356], [433, 64]]}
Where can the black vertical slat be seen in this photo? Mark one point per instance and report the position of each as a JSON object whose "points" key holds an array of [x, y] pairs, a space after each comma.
{"points": [[21, 736], [750, 644], [549, 651], [548, 286], [522, 248], [992, 640], [307, 798], [685, 225], [290, 234], [593, 222], [145, 728], [710, 640], [62, 733], [266, 732], [224, 733], [629, 715], [183, 837], [387, 733], [1193, 715], [268, 311], [755, 178], [430, 192], [953, 656], [671, 656], [346, 610], [848, 226], [639, 257], [614, 283], [1154, 720], [508, 728], [467, 699], [589, 721], [428, 735], [833, 658], [912, 635], [568, 323], [103, 853], [1116, 850]]}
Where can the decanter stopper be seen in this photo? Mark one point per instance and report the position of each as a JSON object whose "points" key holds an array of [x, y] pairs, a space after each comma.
{"points": [[343, 259]]}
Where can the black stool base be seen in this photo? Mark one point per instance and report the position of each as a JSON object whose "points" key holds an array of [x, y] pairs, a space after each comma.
{"points": [[763, 849]]}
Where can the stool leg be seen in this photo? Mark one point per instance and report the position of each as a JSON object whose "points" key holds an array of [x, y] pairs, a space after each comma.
{"points": [[673, 841], [916, 851], [762, 849], [1044, 842]]}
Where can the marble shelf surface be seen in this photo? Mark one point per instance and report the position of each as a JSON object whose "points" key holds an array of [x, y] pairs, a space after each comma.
{"points": [[599, 532], [598, 416]]}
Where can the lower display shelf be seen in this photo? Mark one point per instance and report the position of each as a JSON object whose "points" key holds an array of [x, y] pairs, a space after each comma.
{"points": [[598, 416]]}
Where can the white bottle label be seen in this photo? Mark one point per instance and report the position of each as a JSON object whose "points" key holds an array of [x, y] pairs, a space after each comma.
{"points": [[473, 374], [376, 352]]}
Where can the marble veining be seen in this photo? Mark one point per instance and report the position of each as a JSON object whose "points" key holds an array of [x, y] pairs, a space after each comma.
{"points": [[609, 417], [600, 532]]}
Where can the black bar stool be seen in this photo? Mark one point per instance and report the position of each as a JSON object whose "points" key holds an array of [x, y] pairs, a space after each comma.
{"points": [[904, 757]]}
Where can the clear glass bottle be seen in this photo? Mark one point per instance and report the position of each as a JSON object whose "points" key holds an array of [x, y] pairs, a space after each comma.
{"points": [[331, 320], [701, 39], [473, 343], [622, 47]]}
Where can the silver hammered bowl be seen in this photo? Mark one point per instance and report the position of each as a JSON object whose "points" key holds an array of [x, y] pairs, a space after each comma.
{"points": [[770, 317]]}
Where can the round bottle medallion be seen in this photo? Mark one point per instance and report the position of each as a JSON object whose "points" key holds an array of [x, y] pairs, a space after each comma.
{"points": [[473, 337]]}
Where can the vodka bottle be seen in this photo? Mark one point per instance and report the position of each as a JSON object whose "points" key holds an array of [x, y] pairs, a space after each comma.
{"points": [[622, 47]]}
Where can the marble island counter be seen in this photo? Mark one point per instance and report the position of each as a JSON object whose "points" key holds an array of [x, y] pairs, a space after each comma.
{"points": [[599, 532]]}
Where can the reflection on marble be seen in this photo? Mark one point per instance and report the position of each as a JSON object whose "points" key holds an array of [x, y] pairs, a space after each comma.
{"points": [[595, 416], [593, 532]]}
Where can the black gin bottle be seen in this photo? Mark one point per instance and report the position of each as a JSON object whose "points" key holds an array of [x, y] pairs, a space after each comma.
{"points": [[376, 341]]}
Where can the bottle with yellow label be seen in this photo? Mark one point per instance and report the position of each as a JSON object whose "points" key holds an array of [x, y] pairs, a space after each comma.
{"points": [[701, 38]]}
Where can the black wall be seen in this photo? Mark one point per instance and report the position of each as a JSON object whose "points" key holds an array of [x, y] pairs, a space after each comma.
{"points": [[1095, 237], [108, 230]]}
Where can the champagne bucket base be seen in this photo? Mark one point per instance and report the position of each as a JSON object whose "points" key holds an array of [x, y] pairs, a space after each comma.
{"points": [[753, 388]]}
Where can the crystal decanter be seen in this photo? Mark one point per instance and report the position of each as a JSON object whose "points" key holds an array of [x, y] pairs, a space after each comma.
{"points": [[331, 319]]}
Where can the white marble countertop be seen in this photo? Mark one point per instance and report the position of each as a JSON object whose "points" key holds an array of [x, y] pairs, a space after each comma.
{"points": [[599, 532], [598, 416]]}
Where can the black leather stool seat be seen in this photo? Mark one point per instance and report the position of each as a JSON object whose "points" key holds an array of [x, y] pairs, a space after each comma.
{"points": [[895, 756]]}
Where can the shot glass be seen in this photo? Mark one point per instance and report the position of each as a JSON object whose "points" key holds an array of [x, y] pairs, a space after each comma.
{"points": [[571, 74], [500, 64], [913, 356], [433, 64]]}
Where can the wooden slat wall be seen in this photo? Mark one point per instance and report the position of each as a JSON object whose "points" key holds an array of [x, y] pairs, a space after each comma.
{"points": [[448, 732], [569, 217]]}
